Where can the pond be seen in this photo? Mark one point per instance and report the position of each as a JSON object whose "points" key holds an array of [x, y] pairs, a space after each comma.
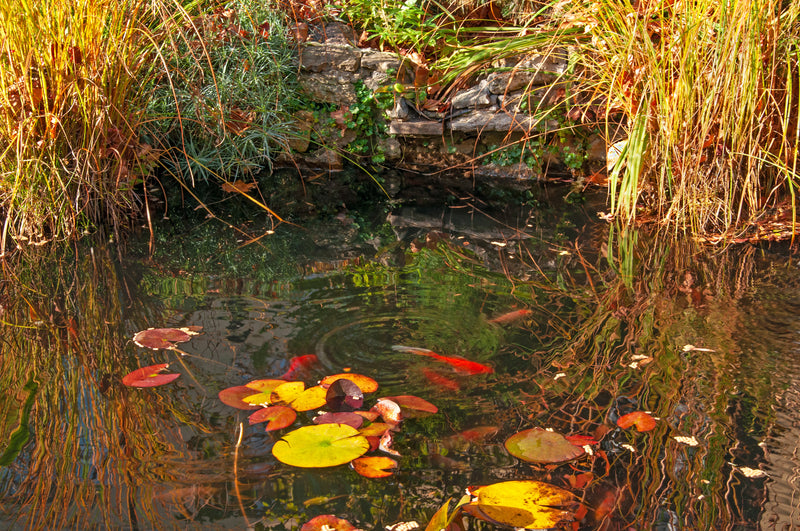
{"points": [[568, 325]]}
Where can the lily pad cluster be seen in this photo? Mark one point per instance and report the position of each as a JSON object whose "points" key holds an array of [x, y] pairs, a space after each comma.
{"points": [[157, 339], [341, 432]]}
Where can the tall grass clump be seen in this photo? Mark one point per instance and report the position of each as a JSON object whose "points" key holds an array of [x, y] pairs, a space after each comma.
{"points": [[222, 102], [71, 77], [707, 95]]}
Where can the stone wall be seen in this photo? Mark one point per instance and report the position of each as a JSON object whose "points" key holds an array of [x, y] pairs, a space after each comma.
{"points": [[479, 121]]}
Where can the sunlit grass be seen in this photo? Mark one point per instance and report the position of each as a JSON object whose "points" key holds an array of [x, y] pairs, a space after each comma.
{"points": [[704, 90], [71, 79]]}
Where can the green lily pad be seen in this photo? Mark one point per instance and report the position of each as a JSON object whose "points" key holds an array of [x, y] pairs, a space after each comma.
{"points": [[320, 445], [521, 504], [543, 447]]}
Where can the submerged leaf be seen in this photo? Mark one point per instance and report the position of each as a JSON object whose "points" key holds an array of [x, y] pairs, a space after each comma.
{"points": [[158, 338], [374, 466], [412, 406], [541, 446], [321, 445], [521, 504], [643, 421], [327, 522], [149, 376]]}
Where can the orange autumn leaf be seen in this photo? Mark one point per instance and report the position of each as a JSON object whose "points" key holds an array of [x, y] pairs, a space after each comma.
{"points": [[640, 419], [239, 187]]}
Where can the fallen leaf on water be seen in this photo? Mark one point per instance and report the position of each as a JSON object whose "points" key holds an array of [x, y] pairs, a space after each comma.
{"points": [[277, 417], [374, 466], [166, 338], [540, 446], [521, 504], [149, 376]]}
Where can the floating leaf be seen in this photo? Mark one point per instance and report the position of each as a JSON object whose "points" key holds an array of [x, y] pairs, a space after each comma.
{"points": [[640, 419], [376, 429], [321, 445], [340, 417], [389, 410], [541, 446], [368, 415], [440, 519], [365, 383], [413, 406], [235, 397], [158, 338], [265, 388], [327, 522], [286, 392], [374, 466], [311, 398], [521, 504], [149, 376], [344, 395], [278, 416]]}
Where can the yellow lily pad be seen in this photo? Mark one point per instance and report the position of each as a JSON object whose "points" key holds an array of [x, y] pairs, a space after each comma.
{"points": [[523, 504], [320, 445]]}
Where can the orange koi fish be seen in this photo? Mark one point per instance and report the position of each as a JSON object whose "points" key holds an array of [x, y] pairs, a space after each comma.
{"points": [[510, 317], [460, 364], [299, 364], [442, 381]]}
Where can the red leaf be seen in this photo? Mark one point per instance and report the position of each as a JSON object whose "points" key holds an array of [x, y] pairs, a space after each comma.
{"points": [[158, 338], [232, 396], [581, 440], [278, 416], [640, 419], [149, 376]]}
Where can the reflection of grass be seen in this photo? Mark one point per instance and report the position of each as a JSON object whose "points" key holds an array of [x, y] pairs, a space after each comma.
{"points": [[97, 451]]}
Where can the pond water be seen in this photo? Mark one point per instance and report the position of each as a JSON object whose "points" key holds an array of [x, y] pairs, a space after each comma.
{"points": [[580, 323]]}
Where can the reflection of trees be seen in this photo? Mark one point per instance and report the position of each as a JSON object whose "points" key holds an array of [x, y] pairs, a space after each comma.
{"points": [[100, 455]]}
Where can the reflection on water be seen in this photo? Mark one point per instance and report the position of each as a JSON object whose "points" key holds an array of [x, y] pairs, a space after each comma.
{"points": [[705, 342]]}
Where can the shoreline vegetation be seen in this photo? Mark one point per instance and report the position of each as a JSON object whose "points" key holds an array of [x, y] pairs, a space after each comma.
{"points": [[102, 103]]}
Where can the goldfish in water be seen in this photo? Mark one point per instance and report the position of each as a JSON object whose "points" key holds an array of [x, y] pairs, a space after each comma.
{"points": [[460, 364], [442, 381], [300, 364], [510, 317]]}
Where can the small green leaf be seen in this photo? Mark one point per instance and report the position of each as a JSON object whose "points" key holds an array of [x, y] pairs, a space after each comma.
{"points": [[321, 445]]}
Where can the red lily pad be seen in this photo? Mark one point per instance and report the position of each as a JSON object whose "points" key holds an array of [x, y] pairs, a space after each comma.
{"points": [[278, 416], [413, 406], [641, 420], [378, 466], [234, 397], [543, 447], [340, 417], [167, 338], [327, 522], [149, 376], [344, 395]]}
